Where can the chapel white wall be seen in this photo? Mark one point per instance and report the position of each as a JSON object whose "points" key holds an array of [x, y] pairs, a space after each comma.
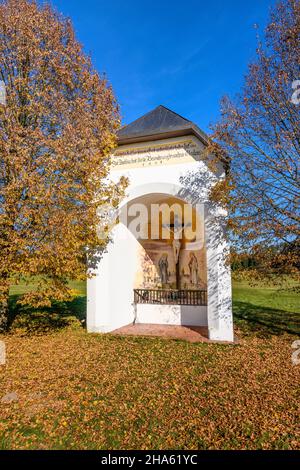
{"points": [[110, 293]]}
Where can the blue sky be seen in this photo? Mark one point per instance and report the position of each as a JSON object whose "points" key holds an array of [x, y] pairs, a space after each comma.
{"points": [[183, 54]]}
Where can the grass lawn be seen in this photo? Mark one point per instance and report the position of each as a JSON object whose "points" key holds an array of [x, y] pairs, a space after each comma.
{"points": [[82, 391], [267, 309]]}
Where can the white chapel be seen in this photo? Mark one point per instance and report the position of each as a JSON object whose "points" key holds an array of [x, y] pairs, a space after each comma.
{"points": [[166, 260]]}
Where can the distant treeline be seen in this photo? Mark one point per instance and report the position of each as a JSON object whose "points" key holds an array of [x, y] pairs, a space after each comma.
{"points": [[271, 256]]}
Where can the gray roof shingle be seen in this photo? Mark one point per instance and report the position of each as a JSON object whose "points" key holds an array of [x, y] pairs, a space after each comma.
{"points": [[161, 122]]}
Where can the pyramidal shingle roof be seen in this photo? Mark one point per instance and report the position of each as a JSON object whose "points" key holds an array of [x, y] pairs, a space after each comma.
{"points": [[159, 123]]}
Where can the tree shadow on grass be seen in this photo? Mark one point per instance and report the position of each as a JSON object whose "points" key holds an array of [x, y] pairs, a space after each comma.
{"points": [[264, 320], [44, 320]]}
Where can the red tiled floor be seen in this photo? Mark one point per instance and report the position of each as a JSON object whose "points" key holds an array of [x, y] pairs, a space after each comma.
{"points": [[193, 334]]}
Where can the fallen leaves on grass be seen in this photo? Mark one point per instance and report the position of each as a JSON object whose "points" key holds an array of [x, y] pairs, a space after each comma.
{"points": [[80, 391]]}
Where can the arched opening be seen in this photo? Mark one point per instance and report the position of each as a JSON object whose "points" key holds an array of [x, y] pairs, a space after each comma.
{"points": [[172, 268]]}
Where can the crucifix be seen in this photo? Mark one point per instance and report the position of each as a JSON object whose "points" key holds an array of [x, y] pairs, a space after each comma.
{"points": [[177, 229]]}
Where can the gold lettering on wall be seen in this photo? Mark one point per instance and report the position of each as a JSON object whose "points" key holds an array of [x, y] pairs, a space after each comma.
{"points": [[157, 155]]}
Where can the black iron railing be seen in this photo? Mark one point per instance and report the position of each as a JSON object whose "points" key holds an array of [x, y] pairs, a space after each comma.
{"points": [[170, 297]]}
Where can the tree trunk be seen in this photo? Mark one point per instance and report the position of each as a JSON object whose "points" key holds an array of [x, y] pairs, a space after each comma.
{"points": [[4, 310]]}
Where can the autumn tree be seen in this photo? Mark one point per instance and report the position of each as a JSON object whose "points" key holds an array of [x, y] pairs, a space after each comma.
{"points": [[57, 129], [259, 134]]}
